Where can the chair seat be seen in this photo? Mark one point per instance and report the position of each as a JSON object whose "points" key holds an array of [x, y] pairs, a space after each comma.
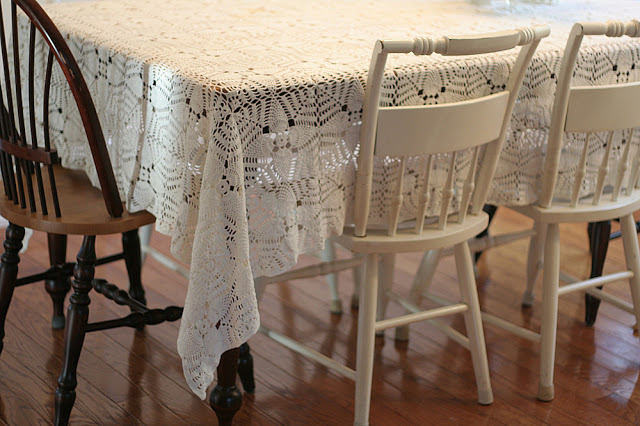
{"points": [[585, 211], [406, 240], [82, 206]]}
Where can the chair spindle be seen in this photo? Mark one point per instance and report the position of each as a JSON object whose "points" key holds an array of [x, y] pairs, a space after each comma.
{"points": [[425, 196], [447, 192], [603, 171], [580, 172], [469, 185], [623, 166], [45, 103], [32, 119], [16, 70], [396, 201], [47, 141], [9, 167], [7, 81]]}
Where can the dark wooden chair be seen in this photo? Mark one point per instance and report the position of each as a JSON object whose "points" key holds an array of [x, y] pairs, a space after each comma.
{"points": [[41, 195]]}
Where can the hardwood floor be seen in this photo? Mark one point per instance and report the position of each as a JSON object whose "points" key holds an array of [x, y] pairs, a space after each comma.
{"points": [[131, 377]]}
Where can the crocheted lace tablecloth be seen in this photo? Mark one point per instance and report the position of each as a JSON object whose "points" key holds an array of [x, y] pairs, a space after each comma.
{"points": [[236, 123]]}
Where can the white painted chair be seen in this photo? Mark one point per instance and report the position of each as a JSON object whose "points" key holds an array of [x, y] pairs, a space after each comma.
{"points": [[594, 111], [433, 131]]}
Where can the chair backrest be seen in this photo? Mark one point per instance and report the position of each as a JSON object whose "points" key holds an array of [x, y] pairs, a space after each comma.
{"points": [[21, 154], [436, 129], [593, 109]]}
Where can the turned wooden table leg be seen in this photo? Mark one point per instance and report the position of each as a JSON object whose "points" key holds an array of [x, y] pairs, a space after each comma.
{"points": [[225, 398]]}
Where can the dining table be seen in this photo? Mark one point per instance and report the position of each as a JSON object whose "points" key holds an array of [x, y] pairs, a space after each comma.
{"points": [[236, 123]]}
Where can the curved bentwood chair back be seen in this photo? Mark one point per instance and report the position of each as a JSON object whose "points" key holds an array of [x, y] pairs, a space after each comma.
{"points": [[21, 153], [474, 127], [602, 115]]}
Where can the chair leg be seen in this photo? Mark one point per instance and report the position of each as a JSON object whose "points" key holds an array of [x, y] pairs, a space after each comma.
{"points": [[260, 289], [145, 239], [358, 273], [534, 262], [491, 211], [9, 271], [77, 317], [551, 280], [133, 260], [632, 257], [424, 276], [473, 322], [58, 288], [366, 340], [598, 244], [421, 283], [385, 281], [245, 369], [328, 255]]}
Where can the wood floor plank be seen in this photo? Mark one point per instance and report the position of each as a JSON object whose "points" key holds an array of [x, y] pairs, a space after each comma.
{"points": [[48, 363], [431, 371], [28, 398], [128, 377], [164, 383], [395, 366], [571, 371]]}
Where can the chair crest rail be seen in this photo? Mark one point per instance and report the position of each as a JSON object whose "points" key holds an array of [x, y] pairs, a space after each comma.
{"points": [[465, 45], [613, 28]]}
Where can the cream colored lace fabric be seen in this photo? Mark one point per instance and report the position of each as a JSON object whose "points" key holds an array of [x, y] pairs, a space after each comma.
{"points": [[236, 123]]}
